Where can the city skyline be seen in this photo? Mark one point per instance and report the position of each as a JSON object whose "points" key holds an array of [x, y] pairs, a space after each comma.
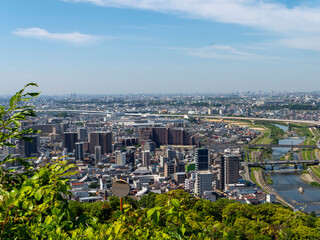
{"points": [[125, 47]]}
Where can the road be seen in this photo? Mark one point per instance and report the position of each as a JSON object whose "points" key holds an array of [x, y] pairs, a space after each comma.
{"points": [[314, 123]]}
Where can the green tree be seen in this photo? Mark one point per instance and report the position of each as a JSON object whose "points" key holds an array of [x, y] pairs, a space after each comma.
{"points": [[32, 203], [148, 201]]}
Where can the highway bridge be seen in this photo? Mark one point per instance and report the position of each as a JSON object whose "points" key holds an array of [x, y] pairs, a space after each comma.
{"points": [[311, 123], [295, 162], [280, 146]]}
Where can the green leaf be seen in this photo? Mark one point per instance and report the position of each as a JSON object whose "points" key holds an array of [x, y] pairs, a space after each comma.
{"points": [[156, 216], [13, 100], [38, 194], [175, 202], [183, 230], [55, 211], [31, 84], [117, 227], [33, 94], [150, 212], [39, 218]]}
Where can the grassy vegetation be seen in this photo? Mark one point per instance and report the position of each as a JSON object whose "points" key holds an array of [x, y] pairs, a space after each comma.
{"points": [[287, 157], [276, 133], [269, 180], [312, 136], [301, 130], [253, 178], [271, 135], [316, 170], [267, 152], [315, 184], [262, 137]]}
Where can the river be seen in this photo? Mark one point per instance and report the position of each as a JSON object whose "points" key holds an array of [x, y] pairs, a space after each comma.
{"points": [[287, 184]]}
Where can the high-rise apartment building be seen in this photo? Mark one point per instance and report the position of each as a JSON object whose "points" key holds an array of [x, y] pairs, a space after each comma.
{"points": [[202, 159], [169, 168], [165, 136], [82, 134], [203, 182], [146, 158], [130, 157], [69, 140], [102, 139], [97, 153], [79, 154], [30, 149], [229, 170], [120, 157]]}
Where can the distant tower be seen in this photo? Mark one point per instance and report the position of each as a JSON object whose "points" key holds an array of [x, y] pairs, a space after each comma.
{"points": [[202, 159], [79, 151], [97, 152]]}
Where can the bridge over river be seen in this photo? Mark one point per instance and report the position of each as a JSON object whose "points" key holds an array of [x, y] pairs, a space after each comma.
{"points": [[281, 146], [295, 162]]}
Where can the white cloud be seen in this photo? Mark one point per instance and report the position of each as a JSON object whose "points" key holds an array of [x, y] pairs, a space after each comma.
{"points": [[216, 51], [73, 37], [265, 15]]}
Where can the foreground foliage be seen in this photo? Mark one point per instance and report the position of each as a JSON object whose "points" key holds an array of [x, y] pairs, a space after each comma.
{"points": [[34, 205]]}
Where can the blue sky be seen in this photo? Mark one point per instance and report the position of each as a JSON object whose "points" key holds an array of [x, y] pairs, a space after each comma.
{"points": [[159, 46]]}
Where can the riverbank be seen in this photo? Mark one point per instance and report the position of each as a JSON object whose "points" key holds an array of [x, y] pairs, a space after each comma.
{"points": [[260, 179]]}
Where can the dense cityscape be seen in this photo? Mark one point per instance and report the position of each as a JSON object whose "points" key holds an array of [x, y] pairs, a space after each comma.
{"points": [[160, 119], [163, 143]]}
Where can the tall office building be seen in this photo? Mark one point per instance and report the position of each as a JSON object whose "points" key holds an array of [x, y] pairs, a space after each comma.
{"points": [[79, 154], [146, 158], [203, 182], [229, 170], [102, 139], [30, 149], [202, 159], [97, 153], [82, 134], [69, 140]]}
